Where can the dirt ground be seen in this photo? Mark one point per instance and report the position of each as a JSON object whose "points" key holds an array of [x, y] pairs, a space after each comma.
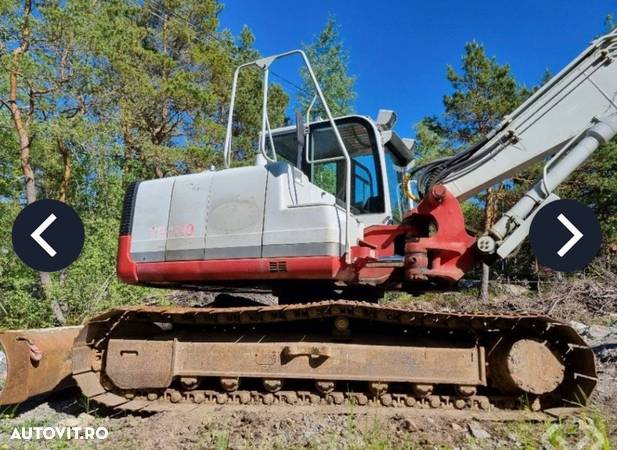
{"points": [[377, 428]]}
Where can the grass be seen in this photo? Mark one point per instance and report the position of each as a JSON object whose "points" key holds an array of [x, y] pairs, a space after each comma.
{"points": [[586, 431], [8, 412], [221, 440]]}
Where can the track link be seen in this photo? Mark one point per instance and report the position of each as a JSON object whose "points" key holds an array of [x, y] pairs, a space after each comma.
{"points": [[98, 368]]}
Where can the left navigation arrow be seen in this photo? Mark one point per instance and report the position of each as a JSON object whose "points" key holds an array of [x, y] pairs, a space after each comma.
{"points": [[36, 235], [48, 235]]}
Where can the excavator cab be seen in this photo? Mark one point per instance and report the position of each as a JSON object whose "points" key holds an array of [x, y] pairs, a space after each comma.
{"points": [[378, 161]]}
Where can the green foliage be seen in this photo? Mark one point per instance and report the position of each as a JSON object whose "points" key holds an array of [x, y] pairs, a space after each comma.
{"points": [[111, 92], [325, 177], [595, 184], [431, 144], [483, 92], [330, 62]]}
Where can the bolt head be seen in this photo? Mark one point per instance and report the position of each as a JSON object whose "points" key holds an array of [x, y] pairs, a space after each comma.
{"points": [[486, 244]]}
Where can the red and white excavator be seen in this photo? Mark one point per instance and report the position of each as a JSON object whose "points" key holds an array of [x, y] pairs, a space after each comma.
{"points": [[326, 219]]}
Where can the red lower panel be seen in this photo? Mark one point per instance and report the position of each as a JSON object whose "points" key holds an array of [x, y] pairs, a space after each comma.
{"points": [[125, 267], [309, 267]]}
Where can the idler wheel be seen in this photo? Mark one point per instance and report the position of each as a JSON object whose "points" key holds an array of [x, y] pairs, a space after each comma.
{"points": [[527, 366]]}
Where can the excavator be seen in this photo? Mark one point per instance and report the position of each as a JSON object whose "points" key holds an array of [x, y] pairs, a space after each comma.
{"points": [[334, 213]]}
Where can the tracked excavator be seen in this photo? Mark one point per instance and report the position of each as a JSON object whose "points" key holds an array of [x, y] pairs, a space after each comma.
{"points": [[332, 214]]}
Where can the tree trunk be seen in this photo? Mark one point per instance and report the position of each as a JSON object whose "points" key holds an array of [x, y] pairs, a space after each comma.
{"points": [[24, 141], [490, 210], [486, 272], [66, 173]]}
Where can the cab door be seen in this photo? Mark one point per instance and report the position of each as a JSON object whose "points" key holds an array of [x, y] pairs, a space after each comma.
{"points": [[370, 199]]}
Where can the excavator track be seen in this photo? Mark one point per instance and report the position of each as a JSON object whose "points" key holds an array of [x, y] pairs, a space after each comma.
{"points": [[335, 352]]}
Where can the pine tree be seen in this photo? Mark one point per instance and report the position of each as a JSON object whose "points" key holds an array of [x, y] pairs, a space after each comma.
{"points": [[483, 92], [330, 62]]}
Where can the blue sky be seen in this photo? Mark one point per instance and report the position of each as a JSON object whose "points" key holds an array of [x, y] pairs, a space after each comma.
{"points": [[400, 49]]}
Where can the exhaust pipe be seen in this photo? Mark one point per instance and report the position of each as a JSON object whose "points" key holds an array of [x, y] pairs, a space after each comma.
{"points": [[35, 362]]}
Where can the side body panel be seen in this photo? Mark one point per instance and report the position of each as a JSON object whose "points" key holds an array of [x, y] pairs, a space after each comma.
{"points": [[302, 219], [150, 219], [259, 222]]}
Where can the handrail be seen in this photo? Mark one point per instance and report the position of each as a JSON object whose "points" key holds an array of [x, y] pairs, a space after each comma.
{"points": [[264, 64]]}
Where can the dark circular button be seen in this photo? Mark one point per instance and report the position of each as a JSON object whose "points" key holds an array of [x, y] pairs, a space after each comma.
{"points": [[48, 235], [565, 235]]}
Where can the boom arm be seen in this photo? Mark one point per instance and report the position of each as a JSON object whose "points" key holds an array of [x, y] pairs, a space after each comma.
{"points": [[569, 118]]}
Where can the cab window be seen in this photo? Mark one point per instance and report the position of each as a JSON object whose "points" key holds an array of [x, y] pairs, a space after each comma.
{"points": [[366, 191], [366, 184], [394, 172]]}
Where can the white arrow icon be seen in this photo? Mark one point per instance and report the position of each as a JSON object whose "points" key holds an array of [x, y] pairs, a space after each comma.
{"points": [[576, 235], [36, 235]]}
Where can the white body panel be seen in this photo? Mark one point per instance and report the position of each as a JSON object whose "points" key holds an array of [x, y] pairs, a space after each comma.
{"points": [[151, 214], [220, 215], [301, 218], [236, 213]]}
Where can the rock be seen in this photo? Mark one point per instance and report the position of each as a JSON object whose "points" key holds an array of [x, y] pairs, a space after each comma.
{"points": [[456, 427], [467, 284], [515, 290], [597, 332], [70, 422], [607, 353], [409, 425], [580, 328], [477, 431], [81, 420], [85, 418]]}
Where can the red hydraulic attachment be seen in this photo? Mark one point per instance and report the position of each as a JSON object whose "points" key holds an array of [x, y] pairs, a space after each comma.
{"points": [[432, 238], [446, 251]]}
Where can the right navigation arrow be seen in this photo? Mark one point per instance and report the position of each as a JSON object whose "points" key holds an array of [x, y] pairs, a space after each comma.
{"points": [[576, 235]]}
